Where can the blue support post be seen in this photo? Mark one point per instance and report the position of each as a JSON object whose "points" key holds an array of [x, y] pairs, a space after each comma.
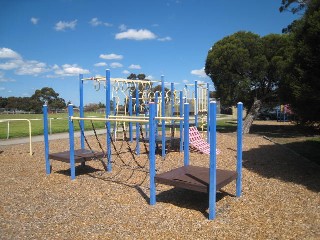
{"points": [[108, 137], [152, 159], [208, 115], [81, 109], [181, 122], [239, 150], [71, 143], [163, 113], [130, 123], [156, 100], [213, 161], [137, 124], [46, 138], [186, 134], [196, 103]]}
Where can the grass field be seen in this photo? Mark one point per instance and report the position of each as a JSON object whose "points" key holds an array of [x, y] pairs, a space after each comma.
{"points": [[59, 123]]}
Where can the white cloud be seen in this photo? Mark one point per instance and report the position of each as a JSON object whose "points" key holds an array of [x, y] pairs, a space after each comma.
{"points": [[100, 64], [199, 73], [95, 22], [111, 56], [23, 67], [4, 79], [133, 66], [122, 27], [34, 20], [62, 26], [32, 68], [10, 65], [116, 65], [185, 81], [125, 72], [134, 34], [165, 39], [2, 88], [150, 77], [69, 70], [9, 53]]}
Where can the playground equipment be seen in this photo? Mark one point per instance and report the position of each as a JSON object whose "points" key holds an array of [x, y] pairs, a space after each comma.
{"points": [[198, 142], [201, 179]]}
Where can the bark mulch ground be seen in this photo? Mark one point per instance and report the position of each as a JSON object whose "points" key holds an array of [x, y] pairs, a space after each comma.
{"points": [[280, 198]]}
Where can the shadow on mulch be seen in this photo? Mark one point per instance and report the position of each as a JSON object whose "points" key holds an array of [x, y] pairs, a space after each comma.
{"points": [[80, 170], [188, 199], [283, 131], [275, 161]]}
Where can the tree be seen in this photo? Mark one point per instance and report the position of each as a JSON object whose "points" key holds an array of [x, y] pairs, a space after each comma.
{"points": [[301, 86], [245, 67], [49, 96], [293, 6], [3, 102]]}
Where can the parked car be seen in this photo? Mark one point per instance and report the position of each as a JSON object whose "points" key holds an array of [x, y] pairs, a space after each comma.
{"points": [[267, 114]]}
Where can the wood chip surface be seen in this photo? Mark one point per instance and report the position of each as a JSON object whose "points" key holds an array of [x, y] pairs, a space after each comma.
{"points": [[280, 197]]}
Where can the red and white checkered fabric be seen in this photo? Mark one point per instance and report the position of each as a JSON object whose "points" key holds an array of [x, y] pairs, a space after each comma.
{"points": [[198, 142]]}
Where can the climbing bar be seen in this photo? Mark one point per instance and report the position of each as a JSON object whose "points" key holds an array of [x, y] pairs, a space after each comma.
{"points": [[111, 119]]}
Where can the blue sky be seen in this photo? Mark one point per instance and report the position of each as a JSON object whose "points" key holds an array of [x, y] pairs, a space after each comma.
{"points": [[47, 43]]}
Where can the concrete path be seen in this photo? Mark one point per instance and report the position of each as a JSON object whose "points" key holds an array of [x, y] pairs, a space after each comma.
{"points": [[40, 138]]}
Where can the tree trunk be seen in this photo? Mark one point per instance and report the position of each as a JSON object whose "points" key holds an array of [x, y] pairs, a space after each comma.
{"points": [[251, 116]]}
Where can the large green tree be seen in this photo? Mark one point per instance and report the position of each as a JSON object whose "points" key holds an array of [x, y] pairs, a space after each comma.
{"points": [[49, 96], [301, 86], [244, 66], [248, 68]]}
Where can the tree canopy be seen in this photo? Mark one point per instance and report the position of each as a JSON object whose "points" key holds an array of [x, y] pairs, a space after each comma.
{"points": [[301, 85], [244, 66], [35, 102]]}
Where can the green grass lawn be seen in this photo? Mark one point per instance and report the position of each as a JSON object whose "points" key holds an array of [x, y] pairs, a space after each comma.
{"points": [[59, 123]]}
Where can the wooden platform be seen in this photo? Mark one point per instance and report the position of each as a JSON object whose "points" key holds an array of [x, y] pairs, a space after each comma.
{"points": [[195, 178], [80, 156]]}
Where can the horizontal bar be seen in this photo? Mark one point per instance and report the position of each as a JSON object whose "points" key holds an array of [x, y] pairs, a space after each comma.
{"points": [[112, 119], [169, 118]]}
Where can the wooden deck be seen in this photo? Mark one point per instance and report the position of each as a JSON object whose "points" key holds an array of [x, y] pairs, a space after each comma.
{"points": [[80, 156], [195, 178]]}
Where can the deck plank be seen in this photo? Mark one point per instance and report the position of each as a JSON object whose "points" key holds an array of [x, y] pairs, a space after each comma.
{"points": [[195, 178]]}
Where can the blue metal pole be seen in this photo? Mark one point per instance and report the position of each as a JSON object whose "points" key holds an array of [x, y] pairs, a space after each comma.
{"points": [[208, 115], [163, 113], [152, 163], [156, 96], [71, 143], [46, 138], [137, 124], [130, 123], [196, 103], [213, 161], [186, 134], [181, 122], [81, 109], [239, 150], [108, 138]]}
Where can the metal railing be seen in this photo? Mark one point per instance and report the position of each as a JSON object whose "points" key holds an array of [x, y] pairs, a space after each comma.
{"points": [[30, 129]]}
